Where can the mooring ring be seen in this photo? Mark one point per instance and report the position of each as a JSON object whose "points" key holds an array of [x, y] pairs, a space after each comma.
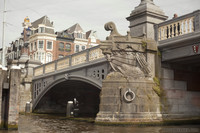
{"points": [[131, 93]]}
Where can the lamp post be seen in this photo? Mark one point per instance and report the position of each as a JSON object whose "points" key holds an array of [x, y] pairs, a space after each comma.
{"points": [[3, 36]]}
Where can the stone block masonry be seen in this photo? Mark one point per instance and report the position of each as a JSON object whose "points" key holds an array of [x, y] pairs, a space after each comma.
{"points": [[179, 102], [15, 74]]}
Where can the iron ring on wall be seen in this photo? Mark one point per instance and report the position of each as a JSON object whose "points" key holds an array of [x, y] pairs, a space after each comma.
{"points": [[131, 93]]}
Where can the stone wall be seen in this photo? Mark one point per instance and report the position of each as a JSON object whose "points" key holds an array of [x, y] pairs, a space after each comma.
{"points": [[179, 101]]}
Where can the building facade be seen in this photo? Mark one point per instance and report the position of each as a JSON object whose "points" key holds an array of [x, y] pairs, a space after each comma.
{"points": [[42, 41], [39, 41], [64, 43]]}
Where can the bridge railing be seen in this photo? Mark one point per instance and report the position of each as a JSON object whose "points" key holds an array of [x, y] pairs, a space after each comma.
{"points": [[179, 26], [85, 56]]}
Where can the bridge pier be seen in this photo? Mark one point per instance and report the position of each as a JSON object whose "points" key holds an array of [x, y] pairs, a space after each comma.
{"points": [[26, 82], [3, 113], [133, 101], [9, 95], [14, 97]]}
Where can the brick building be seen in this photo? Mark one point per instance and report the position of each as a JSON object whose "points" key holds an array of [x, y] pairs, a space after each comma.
{"points": [[39, 41], [42, 41]]}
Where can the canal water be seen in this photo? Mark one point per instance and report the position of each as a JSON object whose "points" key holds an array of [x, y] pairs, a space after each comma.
{"points": [[54, 124]]}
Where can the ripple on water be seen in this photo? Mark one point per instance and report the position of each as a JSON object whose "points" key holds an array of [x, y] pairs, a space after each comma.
{"points": [[49, 124]]}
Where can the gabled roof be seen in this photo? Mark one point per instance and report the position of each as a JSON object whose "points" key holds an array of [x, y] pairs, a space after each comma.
{"points": [[88, 34], [43, 20], [73, 28]]}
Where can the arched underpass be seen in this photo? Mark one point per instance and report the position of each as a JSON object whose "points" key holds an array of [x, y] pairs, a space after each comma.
{"points": [[55, 100], [188, 70]]}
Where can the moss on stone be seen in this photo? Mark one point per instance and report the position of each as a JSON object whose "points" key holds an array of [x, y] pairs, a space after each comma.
{"points": [[12, 127], [157, 90], [159, 53], [2, 125], [157, 81], [144, 44]]}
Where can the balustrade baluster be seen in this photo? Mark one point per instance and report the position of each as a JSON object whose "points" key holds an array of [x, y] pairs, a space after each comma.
{"points": [[166, 30], [169, 31], [181, 27], [188, 25], [176, 29], [192, 24], [172, 30], [184, 26]]}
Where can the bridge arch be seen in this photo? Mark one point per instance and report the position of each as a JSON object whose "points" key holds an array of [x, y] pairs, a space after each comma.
{"points": [[65, 89]]}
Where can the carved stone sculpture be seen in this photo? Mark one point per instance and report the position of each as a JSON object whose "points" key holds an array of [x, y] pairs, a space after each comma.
{"points": [[125, 57], [127, 93]]}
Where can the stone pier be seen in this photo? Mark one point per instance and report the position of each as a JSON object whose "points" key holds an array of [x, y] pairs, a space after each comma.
{"points": [[128, 92], [13, 111], [3, 80]]}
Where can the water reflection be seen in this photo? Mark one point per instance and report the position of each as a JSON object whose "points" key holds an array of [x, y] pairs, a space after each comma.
{"points": [[55, 124]]}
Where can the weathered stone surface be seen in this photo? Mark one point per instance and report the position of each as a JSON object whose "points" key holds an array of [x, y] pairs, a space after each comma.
{"points": [[115, 107], [143, 18], [13, 112], [167, 73]]}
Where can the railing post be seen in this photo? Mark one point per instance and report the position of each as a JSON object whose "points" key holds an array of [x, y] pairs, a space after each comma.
{"points": [[56, 63], [33, 72], [181, 27], [197, 22], [157, 31], [70, 60], [43, 69], [87, 55]]}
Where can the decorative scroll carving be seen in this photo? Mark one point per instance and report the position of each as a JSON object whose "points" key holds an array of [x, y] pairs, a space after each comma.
{"points": [[110, 26], [125, 55]]}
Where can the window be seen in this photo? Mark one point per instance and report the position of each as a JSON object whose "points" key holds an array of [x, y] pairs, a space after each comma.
{"points": [[77, 48], [48, 57], [35, 46], [83, 47], [41, 45], [49, 45], [60, 56], [41, 29], [79, 35], [61, 46], [68, 47], [31, 47], [39, 56]]}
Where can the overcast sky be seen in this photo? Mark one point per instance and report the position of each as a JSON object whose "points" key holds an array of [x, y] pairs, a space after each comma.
{"points": [[90, 14]]}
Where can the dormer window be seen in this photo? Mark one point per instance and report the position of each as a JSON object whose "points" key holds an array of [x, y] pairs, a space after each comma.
{"points": [[79, 35], [41, 29]]}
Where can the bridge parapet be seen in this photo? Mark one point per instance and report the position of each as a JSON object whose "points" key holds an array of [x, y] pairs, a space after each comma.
{"points": [[178, 26], [85, 56]]}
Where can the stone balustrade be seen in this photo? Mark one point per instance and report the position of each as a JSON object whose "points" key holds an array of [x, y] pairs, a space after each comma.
{"points": [[85, 56], [179, 26]]}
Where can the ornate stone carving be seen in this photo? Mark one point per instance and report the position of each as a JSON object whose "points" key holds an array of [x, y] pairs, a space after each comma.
{"points": [[67, 76], [125, 54]]}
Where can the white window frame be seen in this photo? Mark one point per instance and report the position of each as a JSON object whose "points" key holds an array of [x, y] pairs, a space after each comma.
{"points": [[49, 58], [47, 45], [39, 44]]}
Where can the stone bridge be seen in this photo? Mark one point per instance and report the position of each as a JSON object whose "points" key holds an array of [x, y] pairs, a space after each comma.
{"points": [[80, 75], [82, 72]]}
